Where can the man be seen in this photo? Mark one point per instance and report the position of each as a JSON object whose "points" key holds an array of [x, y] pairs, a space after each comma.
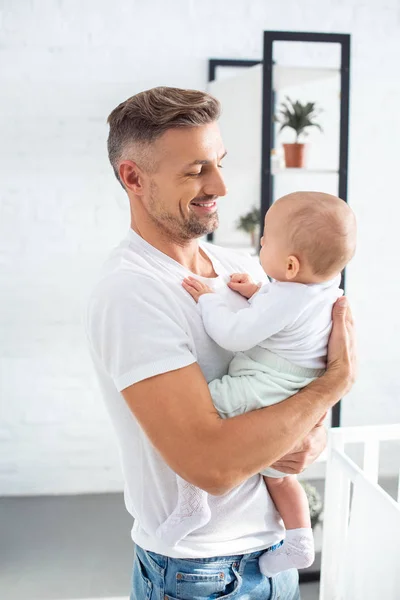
{"points": [[154, 359]]}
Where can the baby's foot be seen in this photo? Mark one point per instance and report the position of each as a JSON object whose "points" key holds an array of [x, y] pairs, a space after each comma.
{"points": [[296, 552], [191, 513]]}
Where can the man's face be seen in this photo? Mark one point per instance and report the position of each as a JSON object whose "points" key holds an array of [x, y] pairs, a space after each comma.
{"points": [[181, 194]]}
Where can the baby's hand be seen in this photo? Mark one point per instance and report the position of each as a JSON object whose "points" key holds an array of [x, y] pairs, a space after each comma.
{"points": [[243, 284], [196, 288]]}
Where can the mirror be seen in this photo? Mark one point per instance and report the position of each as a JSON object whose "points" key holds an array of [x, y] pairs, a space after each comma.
{"points": [[306, 73], [240, 92]]}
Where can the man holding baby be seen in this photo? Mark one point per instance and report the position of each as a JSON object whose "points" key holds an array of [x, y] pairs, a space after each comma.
{"points": [[167, 322]]}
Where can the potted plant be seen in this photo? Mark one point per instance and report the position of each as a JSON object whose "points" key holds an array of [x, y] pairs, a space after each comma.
{"points": [[299, 117], [250, 223], [314, 502]]}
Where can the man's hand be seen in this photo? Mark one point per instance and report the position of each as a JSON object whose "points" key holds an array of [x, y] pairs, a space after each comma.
{"points": [[340, 374], [342, 355], [243, 284], [196, 288], [304, 454]]}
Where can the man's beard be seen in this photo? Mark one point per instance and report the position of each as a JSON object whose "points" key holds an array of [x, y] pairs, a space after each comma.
{"points": [[183, 228]]}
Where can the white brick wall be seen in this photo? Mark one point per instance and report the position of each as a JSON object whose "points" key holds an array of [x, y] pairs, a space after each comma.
{"points": [[65, 65]]}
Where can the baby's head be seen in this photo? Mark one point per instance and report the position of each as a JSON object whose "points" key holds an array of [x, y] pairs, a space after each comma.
{"points": [[309, 237]]}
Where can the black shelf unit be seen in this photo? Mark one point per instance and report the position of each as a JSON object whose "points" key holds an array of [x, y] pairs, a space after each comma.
{"points": [[214, 63], [268, 101]]}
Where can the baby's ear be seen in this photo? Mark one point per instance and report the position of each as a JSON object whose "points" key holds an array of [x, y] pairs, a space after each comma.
{"points": [[292, 267]]}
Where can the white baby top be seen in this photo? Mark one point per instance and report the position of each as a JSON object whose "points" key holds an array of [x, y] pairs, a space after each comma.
{"points": [[140, 323], [293, 320]]}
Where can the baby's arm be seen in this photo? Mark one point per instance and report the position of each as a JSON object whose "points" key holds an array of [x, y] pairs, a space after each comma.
{"points": [[267, 314], [239, 282], [196, 288], [243, 284]]}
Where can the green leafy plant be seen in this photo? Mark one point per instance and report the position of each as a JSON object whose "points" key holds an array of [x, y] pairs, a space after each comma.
{"points": [[297, 116], [250, 221], [314, 502]]}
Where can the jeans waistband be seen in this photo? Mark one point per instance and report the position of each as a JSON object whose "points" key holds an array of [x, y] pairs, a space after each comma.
{"points": [[161, 560]]}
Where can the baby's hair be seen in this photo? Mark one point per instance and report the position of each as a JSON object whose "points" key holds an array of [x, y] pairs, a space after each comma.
{"points": [[321, 229]]}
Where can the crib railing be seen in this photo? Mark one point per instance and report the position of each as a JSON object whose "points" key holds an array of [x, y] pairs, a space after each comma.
{"points": [[361, 530]]}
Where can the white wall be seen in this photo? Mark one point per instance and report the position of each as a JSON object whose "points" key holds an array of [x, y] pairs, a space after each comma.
{"points": [[65, 65]]}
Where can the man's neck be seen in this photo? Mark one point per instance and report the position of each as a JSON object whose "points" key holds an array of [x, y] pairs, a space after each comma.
{"points": [[187, 253]]}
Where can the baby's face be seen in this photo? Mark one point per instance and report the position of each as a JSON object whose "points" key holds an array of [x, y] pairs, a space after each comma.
{"points": [[273, 252]]}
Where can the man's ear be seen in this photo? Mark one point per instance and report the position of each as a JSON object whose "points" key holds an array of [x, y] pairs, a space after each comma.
{"points": [[292, 267], [131, 176]]}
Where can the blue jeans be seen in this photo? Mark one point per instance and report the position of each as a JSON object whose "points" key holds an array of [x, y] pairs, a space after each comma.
{"points": [[157, 577]]}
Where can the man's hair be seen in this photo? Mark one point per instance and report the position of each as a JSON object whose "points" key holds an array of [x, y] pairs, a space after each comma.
{"points": [[143, 118], [322, 229]]}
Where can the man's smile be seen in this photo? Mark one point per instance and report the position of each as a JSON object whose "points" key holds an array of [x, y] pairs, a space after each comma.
{"points": [[204, 206]]}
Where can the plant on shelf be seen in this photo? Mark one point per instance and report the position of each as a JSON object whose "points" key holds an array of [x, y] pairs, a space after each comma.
{"points": [[299, 117], [314, 502], [250, 223]]}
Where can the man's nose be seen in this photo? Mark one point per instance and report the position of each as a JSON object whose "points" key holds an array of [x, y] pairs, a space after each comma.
{"points": [[215, 186]]}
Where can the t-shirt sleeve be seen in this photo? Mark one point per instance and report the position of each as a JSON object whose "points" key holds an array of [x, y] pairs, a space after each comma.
{"points": [[137, 330]]}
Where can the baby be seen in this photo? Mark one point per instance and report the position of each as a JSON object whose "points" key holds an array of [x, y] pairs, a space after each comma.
{"points": [[280, 341]]}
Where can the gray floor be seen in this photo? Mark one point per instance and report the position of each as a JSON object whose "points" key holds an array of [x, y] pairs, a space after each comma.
{"points": [[64, 547], [58, 548]]}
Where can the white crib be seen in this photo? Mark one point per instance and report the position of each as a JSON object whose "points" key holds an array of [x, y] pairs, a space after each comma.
{"points": [[361, 537]]}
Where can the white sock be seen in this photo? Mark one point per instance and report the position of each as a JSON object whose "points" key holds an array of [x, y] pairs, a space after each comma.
{"points": [[296, 552], [191, 512]]}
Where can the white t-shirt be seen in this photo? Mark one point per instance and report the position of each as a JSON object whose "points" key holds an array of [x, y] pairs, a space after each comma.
{"points": [[293, 320], [140, 323]]}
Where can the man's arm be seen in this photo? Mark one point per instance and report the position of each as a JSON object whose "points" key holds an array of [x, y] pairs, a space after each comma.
{"points": [[175, 410]]}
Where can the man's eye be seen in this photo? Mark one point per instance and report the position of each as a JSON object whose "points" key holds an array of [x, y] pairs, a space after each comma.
{"points": [[194, 174]]}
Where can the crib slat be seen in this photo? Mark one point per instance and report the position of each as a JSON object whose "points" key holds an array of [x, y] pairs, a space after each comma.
{"points": [[336, 510], [371, 459], [398, 490]]}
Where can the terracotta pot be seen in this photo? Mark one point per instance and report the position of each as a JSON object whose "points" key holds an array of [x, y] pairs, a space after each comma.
{"points": [[294, 155]]}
